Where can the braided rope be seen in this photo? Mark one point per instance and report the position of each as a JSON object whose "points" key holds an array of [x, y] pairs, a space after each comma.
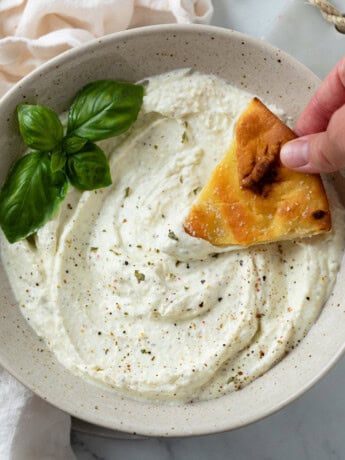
{"points": [[330, 13]]}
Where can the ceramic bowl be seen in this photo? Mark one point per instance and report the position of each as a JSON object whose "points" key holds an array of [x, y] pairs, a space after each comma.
{"points": [[133, 55]]}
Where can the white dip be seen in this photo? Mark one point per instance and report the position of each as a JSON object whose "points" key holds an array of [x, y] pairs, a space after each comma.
{"points": [[124, 297]]}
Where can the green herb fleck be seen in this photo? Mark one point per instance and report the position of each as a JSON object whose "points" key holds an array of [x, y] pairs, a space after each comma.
{"points": [[172, 235], [145, 352], [115, 252], [94, 249], [139, 276], [128, 191]]}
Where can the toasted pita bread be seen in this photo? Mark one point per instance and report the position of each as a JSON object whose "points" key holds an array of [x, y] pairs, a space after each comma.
{"points": [[251, 197]]}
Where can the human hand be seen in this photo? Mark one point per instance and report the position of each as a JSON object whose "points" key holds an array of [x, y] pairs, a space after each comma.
{"points": [[321, 147]]}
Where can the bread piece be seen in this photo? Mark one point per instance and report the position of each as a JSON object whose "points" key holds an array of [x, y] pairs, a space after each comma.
{"points": [[251, 197]]}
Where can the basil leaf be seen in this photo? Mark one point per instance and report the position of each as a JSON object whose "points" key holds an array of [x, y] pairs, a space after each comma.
{"points": [[57, 160], [39, 126], [104, 108], [73, 144], [89, 169], [30, 196]]}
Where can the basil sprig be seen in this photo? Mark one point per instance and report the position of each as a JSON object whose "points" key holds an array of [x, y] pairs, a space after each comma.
{"points": [[38, 182]]}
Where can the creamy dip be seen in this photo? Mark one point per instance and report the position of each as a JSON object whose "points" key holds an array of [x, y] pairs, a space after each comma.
{"points": [[125, 298]]}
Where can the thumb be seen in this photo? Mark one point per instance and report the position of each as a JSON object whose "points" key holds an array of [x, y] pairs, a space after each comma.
{"points": [[318, 153]]}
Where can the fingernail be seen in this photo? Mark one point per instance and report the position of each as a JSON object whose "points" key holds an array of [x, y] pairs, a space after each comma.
{"points": [[294, 154]]}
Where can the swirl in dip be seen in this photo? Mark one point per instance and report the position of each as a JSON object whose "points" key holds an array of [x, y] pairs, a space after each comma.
{"points": [[124, 297]]}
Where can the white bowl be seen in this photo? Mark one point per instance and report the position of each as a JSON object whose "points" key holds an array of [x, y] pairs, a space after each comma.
{"points": [[134, 55]]}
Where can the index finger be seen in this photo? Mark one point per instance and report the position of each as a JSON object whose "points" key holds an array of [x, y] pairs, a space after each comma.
{"points": [[328, 98]]}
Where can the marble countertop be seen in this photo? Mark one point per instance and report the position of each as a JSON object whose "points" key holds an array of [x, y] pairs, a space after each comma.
{"points": [[311, 428]]}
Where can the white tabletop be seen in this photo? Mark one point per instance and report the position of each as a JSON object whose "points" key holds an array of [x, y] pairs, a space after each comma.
{"points": [[313, 427]]}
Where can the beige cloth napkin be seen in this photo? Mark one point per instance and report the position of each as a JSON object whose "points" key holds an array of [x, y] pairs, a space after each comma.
{"points": [[31, 32]]}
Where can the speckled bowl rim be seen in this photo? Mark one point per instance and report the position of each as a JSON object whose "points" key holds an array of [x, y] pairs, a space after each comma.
{"points": [[86, 414]]}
